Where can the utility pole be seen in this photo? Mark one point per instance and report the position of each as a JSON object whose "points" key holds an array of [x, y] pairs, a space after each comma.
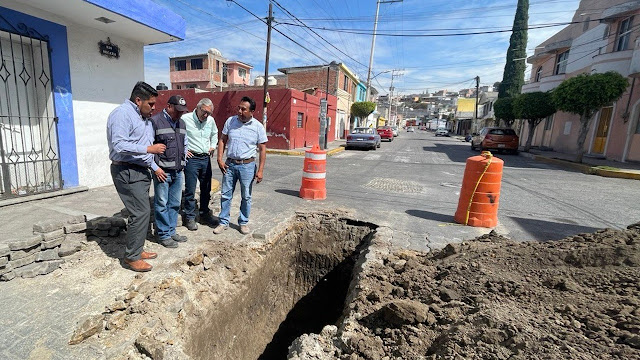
{"points": [[475, 113], [373, 43], [391, 88], [266, 67]]}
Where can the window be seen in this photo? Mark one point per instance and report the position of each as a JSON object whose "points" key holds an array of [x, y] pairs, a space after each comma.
{"points": [[539, 74], [196, 64], [345, 86], [561, 63], [300, 117], [548, 123], [242, 72], [191, 86], [181, 65], [624, 33], [218, 66], [178, 87]]}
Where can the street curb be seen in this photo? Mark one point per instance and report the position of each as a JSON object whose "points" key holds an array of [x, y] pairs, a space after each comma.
{"points": [[335, 151], [585, 169], [301, 153], [285, 152]]}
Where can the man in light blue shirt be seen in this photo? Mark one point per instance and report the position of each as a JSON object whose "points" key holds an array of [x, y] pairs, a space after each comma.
{"points": [[243, 137], [202, 135], [130, 137]]}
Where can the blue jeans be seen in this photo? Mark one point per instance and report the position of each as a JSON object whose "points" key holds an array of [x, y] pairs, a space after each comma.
{"points": [[167, 196], [244, 173], [197, 169]]}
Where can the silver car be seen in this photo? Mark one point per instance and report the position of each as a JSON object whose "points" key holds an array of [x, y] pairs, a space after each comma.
{"points": [[363, 137]]}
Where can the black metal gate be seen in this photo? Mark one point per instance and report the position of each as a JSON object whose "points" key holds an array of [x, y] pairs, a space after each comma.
{"points": [[29, 152]]}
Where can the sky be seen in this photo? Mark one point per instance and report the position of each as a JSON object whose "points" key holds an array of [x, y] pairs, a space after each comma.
{"points": [[341, 31]]}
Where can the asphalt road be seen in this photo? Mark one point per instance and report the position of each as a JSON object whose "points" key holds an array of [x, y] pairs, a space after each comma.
{"points": [[412, 185]]}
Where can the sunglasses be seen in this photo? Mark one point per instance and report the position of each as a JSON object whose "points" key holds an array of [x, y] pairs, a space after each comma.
{"points": [[207, 113], [242, 108]]}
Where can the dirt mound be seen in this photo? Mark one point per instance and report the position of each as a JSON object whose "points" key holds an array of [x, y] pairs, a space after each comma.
{"points": [[493, 298]]}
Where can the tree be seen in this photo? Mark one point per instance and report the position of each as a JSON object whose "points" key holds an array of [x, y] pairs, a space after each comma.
{"points": [[496, 85], [584, 95], [503, 109], [513, 76], [533, 107], [362, 109]]}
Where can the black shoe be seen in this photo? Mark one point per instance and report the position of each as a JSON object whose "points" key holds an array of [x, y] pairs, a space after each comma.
{"points": [[192, 225], [179, 238], [168, 243], [208, 219]]}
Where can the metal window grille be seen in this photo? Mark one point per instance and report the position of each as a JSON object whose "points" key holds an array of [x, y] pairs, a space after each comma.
{"points": [[29, 152], [300, 117]]}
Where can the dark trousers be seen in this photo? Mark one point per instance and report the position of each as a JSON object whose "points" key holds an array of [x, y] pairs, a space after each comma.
{"points": [[197, 169], [132, 184]]}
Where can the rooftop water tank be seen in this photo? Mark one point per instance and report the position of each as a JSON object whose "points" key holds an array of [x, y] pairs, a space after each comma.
{"points": [[258, 81], [271, 80]]}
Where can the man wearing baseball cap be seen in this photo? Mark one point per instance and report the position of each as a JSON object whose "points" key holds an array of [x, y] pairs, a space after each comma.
{"points": [[171, 131]]}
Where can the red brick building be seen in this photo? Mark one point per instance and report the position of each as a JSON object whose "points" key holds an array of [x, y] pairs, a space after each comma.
{"points": [[293, 116]]}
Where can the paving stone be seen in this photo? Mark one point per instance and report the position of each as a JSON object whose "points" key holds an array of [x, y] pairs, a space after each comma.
{"points": [[74, 228], [49, 244], [26, 243], [150, 347], [7, 276], [5, 269], [49, 266], [69, 247], [47, 226], [22, 262], [103, 225], [4, 261], [49, 254], [4, 250], [118, 221], [19, 254], [29, 271], [102, 233], [53, 234], [77, 219], [89, 326], [114, 231]]}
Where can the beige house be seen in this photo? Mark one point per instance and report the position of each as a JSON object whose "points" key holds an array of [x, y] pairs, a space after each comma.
{"points": [[609, 44]]}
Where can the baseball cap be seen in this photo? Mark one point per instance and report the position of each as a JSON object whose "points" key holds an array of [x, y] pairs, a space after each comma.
{"points": [[179, 102]]}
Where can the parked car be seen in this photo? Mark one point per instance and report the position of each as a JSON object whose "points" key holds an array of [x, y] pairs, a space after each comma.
{"points": [[442, 132], [385, 132], [410, 129], [395, 130], [363, 137], [495, 138]]}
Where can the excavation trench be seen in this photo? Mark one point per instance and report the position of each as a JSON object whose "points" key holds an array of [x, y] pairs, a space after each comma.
{"points": [[299, 288]]}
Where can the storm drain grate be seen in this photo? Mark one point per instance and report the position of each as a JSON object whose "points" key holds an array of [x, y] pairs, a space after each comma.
{"points": [[395, 185]]}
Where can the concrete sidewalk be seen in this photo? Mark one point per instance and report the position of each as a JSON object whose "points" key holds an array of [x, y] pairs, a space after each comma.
{"points": [[589, 165]]}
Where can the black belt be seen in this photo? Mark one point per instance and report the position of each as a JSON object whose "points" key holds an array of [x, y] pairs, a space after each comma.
{"points": [[123, 163], [241, 161], [200, 154]]}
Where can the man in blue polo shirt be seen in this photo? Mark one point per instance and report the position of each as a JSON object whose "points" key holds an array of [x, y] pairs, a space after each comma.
{"points": [[242, 137]]}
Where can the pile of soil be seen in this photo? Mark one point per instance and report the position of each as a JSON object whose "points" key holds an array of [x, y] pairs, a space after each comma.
{"points": [[495, 298]]}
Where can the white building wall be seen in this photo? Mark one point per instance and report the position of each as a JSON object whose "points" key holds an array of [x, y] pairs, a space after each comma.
{"points": [[585, 47], [98, 85]]}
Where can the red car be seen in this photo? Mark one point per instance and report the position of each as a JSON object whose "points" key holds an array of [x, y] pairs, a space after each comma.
{"points": [[385, 132], [494, 138]]}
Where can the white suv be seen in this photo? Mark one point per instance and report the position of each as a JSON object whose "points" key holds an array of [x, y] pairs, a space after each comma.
{"points": [[442, 132]]}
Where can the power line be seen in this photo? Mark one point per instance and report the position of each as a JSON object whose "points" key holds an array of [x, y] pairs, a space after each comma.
{"points": [[280, 32], [322, 38]]}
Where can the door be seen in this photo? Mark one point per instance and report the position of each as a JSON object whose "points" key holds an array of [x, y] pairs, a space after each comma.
{"points": [[602, 130], [29, 155]]}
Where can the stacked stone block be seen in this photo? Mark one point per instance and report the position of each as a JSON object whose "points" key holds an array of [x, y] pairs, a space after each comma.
{"points": [[106, 226]]}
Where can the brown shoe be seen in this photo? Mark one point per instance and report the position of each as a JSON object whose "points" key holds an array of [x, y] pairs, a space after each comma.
{"points": [[148, 255], [138, 265], [244, 229]]}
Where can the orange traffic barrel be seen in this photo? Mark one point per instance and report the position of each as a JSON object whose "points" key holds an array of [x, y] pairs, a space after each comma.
{"points": [[314, 174], [480, 192]]}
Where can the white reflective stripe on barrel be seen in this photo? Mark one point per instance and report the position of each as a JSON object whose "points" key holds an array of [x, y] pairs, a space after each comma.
{"points": [[314, 175], [313, 156]]}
